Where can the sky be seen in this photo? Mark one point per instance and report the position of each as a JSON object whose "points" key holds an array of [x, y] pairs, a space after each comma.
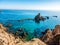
{"points": [[30, 4]]}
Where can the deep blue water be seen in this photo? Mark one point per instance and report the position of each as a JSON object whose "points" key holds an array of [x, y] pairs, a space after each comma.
{"points": [[6, 17]]}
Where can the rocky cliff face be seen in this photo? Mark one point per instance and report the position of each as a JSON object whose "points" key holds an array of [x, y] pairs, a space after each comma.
{"points": [[9, 39], [52, 37]]}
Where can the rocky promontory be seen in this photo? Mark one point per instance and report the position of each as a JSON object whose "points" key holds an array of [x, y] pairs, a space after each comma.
{"points": [[7, 38], [49, 37], [52, 37]]}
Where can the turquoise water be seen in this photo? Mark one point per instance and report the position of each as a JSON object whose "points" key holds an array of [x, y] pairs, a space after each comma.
{"points": [[10, 17]]}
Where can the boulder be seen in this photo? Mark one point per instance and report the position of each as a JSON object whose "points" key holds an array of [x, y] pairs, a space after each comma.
{"points": [[52, 37], [48, 35], [37, 32], [56, 31], [21, 32], [55, 40], [47, 17]]}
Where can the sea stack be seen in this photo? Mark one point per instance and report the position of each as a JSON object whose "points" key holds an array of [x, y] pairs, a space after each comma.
{"points": [[38, 17]]}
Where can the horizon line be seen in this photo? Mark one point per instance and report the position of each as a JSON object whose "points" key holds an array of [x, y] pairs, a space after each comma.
{"points": [[29, 9]]}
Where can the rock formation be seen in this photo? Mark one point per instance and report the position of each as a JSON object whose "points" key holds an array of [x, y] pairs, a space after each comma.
{"points": [[37, 32], [48, 35], [47, 17], [56, 31], [9, 39], [21, 32], [5, 38], [38, 18], [52, 37], [55, 16]]}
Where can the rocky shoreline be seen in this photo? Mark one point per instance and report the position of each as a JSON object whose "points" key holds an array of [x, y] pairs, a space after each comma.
{"points": [[49, 38], [10, 39], [52, 37]]}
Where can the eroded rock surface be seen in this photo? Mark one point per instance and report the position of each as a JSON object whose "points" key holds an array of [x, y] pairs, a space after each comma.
{"points": [[9, 39], [38, 17], [52, 37]]}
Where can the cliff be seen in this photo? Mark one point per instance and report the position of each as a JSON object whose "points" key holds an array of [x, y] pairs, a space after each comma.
{"points": [[52, 37], [10, 39]]}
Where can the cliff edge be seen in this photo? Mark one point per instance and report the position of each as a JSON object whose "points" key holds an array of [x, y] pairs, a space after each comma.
{"points": [[9, 39]]}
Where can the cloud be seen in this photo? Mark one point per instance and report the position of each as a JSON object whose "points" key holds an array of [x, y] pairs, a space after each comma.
{"points": [[54, 6]]}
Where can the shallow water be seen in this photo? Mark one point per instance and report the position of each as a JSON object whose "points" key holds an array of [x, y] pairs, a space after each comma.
{"points": [[11, 17]]}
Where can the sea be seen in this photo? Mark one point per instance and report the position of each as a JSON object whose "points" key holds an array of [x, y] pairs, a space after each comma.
{"points": [[12, 16]]}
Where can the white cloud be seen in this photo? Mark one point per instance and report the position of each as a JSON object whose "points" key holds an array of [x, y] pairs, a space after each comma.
{"points": [[52, 6], [46, 6]]}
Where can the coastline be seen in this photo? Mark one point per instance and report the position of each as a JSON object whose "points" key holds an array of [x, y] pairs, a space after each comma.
{"points": [[16, 40], [10, 39], [23, 37]]}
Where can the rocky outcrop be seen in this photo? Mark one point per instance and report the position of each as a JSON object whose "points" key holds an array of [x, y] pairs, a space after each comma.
{"points": [[21, 32], [38, 18], [48, 35], [56, 31], [37, 32], [36, 41], [5, 38], [25, 19], [3, 28], [47, 17], [9, 39], [52, 37]]}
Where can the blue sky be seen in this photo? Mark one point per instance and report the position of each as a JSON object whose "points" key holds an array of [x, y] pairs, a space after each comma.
{"points": [[30, 4]]}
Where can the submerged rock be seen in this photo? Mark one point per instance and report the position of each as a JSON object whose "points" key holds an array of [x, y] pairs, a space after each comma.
{"points": [[55, 16], [0, 11], [21, 32], [25, 19], [47, 17], [8, 25], [37, 32], [37, 18]]}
